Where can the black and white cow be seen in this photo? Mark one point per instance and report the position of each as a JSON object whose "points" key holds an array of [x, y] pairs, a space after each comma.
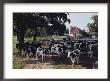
{"points": [[93, 54], [77, 55], [43, 52], [58, 49], [27, 49], [71, 56], [83, 47], [22, 48], [70, 45], [74, 56]]}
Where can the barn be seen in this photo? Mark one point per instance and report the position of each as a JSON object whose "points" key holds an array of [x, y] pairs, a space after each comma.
{"points": [[75, 32]]}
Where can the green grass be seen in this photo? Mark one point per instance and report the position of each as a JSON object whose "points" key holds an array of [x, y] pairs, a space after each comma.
{"points": [[17, 61], [44, 38]]}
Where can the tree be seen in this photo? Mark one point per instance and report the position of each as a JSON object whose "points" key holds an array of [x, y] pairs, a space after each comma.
{"points": [[67, 31], [19, 26], [93, 27], [56, 22], [84, 33], [50, 22]]}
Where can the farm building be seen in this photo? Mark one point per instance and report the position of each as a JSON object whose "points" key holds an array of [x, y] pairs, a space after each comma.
{"points": [[75, 32]]}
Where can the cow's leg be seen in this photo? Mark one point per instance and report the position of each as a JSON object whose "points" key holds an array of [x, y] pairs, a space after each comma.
{"points": [[73, 62], [33, 56], [73, 65], [42, 57], [59, 55], [93, 63], [77, 59], [23, 54], [27, 56], [36, 56]]}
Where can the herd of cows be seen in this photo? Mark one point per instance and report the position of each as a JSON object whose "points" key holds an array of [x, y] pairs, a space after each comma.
{"points": [[72, 50]]}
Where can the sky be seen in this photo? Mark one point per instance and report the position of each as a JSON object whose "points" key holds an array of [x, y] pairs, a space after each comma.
{"points": [[80, 19]]}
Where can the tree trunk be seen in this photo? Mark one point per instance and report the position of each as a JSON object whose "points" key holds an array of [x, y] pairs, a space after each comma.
{"points": [[20, 36], [35, 34]]}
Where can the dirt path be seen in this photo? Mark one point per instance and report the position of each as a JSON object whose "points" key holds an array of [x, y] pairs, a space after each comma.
{"points": [[51, 64], [39, 66]]}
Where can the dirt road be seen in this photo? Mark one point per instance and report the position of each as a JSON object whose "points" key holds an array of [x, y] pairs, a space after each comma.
{"points": [[39, 65], [54, 63], [50, 65]]}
